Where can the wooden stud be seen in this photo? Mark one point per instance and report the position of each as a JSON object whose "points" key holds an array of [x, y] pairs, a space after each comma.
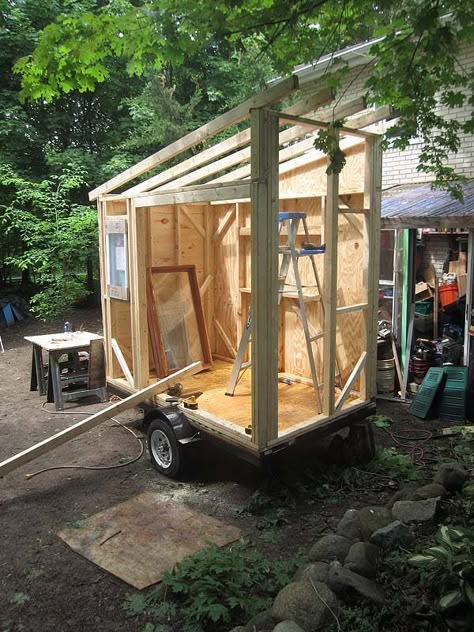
{"points": [[209, 271], [197, 227], [205, 285], [137, 224], [264, 258], [196, 194], [106, 316], [121, 360], [223, 228], [177, 233], [350, 381], [352, 308], [313, 124], [330, 293], [225, 338]]}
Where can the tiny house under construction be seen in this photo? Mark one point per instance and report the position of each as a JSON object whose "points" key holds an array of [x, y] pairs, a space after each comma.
{"points": [[253, 221]]}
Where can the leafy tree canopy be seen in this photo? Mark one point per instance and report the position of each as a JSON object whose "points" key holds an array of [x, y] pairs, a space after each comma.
{"points": [[417, 59]]}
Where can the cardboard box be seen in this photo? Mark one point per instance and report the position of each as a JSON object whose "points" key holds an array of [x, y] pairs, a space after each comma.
{"points": [[422, 291], [459, 266], [462, 283]]}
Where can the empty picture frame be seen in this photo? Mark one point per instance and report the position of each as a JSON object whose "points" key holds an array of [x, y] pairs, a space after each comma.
{"points": [[176, 322]]}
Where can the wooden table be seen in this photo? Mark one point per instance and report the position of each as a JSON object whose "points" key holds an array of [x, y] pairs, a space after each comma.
{"points": [[56, 345]]}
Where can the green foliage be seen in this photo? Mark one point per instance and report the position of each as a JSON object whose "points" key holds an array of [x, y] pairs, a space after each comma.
{"points": [[213, 587], [380, 421], [19, 599], [53, 236], [416, 61], [463, 451], [449, 566], [394, 464], [223, 584], [327, 141]]}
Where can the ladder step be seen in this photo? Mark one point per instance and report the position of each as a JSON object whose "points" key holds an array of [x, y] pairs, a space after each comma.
{"points": [[317, 337], [303, 252], [290, 215]]}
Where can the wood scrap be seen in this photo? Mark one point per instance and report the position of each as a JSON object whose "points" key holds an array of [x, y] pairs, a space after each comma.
{"points": [[79, 428]]}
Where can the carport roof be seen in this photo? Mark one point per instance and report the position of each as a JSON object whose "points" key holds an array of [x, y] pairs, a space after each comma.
{"points": [[421, 206]]}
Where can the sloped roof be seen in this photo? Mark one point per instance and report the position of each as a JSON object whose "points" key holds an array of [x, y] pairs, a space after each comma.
{"points": [[421, 206]]}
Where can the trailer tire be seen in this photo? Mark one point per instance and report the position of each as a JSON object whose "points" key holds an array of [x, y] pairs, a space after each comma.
{"points": [[164, 449]]}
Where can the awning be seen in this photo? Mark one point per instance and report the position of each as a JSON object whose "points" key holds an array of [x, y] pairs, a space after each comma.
{"points": [[420, 206]]}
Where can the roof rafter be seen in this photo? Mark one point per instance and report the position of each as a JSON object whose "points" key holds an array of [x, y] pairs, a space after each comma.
{"points": [[271, 95], [309, 103]]}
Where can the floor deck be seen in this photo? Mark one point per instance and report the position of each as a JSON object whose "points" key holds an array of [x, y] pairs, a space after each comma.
{"points": [[296, 401]]}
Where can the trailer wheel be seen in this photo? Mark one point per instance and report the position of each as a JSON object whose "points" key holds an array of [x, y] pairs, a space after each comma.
{"points": [[164, 449]]}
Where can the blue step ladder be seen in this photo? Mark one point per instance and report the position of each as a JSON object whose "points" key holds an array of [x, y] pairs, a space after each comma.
{"points": [[291, 255]]}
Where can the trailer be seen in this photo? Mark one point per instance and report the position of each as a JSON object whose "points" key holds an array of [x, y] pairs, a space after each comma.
{"points": [[254, 258]]}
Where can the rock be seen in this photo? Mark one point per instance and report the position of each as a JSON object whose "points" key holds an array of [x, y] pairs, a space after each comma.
{"points": [[432, 490], [362, 559], [316, 571], [451, 476], [415, 510], [288, 626], [373, 518], [349, 525], [330, 547], [393, 535], [344, 582], [261, 622], [406, 493], [299, 602]]}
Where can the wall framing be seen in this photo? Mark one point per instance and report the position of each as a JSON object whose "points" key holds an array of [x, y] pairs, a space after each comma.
{"points": [[217, 211]]}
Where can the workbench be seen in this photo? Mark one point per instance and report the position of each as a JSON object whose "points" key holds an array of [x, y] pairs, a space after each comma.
{"points": [[57, 345]]}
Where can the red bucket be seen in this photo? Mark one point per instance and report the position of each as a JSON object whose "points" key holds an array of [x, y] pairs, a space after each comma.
{"points": [[448, 293]]}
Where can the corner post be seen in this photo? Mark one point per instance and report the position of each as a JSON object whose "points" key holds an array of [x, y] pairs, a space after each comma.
{"points": [[137, 222], [330, 293], [105, 299], [372, 202], [264, 274]]}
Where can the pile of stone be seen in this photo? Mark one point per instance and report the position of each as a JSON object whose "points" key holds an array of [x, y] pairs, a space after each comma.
{"points": [[341, 566]]}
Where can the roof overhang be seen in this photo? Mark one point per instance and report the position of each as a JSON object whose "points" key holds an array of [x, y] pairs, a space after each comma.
{"points": [[422, 206]]}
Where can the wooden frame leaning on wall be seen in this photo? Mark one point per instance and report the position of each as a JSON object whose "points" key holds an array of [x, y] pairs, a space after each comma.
{"points": [[158, 333]]}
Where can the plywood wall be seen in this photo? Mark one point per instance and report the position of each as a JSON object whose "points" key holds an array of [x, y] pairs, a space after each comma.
{"points": [[216, 239]]}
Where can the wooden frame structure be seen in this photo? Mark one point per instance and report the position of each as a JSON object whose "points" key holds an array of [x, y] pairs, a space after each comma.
{"points": [[217, 210], [154, 325]]}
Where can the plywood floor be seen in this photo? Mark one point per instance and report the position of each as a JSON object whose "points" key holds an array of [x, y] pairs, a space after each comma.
{"points": [[296, 401]]}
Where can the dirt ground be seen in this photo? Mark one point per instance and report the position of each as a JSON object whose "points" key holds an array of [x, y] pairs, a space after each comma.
{"points": [[43, 584]]}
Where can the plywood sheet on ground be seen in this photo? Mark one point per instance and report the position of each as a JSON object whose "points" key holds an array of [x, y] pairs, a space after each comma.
{"points": [[140, 539]]}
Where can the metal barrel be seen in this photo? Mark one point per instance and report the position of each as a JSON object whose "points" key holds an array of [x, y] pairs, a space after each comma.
{"points": [[386, 376]]}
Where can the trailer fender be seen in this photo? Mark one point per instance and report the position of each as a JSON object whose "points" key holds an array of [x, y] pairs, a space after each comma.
{"points": [[176, 419]]}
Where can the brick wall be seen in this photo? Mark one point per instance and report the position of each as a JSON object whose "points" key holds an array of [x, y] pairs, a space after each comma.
{"points": [[399, 167], [434, 250]]}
